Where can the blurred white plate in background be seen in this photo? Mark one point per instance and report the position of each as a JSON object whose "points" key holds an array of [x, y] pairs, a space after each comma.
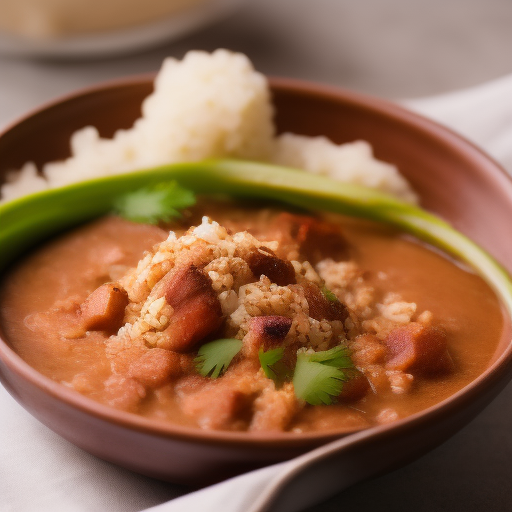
{"points": [[103, 44]]}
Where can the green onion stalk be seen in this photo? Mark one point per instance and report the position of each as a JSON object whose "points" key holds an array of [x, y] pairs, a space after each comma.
{"points": [[30, 219]]}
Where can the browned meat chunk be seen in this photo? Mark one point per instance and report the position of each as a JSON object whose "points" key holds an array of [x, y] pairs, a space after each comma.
{"points": [[263, 261], [367, 349], [124, 393], [320, 307], [155, 368], [355, 388], [266, 332], [271, 330], [274, 409], [184, 284], [219, 407], [197, 310], [317, 238], [417, 348], [122, 354], [189, 324], [104, 309]]}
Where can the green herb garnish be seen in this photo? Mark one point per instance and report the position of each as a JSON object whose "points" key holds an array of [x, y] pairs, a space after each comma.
{"points": [[213, 358], [155, 203], [319, 376], [268, 360], [330, 296], [338, 357]]}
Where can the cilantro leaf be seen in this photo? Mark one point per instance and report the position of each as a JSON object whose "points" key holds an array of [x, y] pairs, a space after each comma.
{"points": [[338, 357], [317, 383], [319, 376], [155, 203], [268, 359], [213, 358]]}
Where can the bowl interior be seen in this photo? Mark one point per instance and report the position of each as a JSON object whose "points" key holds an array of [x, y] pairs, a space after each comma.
{"points": [[454, 178]]}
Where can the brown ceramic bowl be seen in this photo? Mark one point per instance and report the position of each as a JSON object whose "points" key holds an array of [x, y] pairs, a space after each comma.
{"points": [[449, 174]]}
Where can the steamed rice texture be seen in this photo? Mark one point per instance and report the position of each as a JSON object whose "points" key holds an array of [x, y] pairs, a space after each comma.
{"points": [[207, 106]]}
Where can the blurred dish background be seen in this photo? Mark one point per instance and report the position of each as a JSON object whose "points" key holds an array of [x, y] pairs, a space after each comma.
{"points": [[396, 49], [100, 28]]}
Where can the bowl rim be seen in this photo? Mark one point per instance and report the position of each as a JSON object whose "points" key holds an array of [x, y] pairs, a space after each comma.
{"points": [[498, 368]]}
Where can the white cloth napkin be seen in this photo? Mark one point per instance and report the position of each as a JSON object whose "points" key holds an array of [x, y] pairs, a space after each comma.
{"points": [[39, 471], [482, 114]]}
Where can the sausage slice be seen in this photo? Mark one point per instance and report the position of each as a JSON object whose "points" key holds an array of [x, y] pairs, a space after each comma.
{"points": [[197, 310], [104, 309], [418, 348]]}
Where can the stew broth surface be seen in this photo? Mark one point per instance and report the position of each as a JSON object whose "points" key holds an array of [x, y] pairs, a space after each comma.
{"points": [[64, 272]]}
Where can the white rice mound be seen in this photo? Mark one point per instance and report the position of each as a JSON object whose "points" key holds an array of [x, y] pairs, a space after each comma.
{"points": [[206, 106], [351, 162]]}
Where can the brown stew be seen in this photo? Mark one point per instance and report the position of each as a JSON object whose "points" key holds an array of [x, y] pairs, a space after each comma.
{"points": [[418, 325]]}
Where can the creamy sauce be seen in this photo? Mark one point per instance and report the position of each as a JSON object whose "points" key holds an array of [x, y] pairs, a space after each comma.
{"points": [[69, 268], [461, 302]]}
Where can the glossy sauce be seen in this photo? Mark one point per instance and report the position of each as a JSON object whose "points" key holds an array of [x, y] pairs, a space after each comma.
{"points": [[69, 268]]}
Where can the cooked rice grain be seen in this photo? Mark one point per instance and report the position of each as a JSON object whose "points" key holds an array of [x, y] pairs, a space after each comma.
{"points": [[206, 106]]}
